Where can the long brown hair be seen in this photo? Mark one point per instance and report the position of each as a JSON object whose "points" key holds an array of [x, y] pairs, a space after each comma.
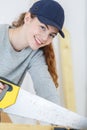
{"points": [[47, 50]]}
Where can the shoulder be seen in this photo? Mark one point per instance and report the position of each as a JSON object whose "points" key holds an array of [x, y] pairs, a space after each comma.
{"points": [[38, 54], [3, 28], [38, 57]]}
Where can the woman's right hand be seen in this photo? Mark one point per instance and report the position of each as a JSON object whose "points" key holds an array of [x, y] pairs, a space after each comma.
{"points": [[2, 87]]}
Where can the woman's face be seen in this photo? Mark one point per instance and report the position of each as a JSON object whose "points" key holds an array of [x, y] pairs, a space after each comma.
{"points": [[38, 34]]}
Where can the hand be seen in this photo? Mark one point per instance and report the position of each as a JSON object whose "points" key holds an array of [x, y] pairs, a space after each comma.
{"points": [[2, 86]]}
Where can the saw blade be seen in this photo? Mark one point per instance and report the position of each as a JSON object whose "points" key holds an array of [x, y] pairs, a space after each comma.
{"points": [[32, 106]]}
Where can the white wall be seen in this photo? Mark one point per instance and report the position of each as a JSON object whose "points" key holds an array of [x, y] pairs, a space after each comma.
{"points": [[75, 22], [86, 54], [10, 9]]}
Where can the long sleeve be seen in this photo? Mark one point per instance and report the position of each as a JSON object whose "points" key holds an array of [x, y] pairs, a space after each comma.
{"points": [[43, 83]]}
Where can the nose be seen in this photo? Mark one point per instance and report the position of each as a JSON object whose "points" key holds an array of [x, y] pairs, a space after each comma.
{"points": [[44, 37]]}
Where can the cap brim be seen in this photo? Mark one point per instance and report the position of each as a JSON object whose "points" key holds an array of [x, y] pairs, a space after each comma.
{"points": [[50, 22], [61, 33]]}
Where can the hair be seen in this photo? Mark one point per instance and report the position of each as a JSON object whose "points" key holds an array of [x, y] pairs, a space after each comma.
{"points": [[47, 50]]}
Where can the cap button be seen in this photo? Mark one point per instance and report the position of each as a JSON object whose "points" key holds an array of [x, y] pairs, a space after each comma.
{"points": [[36, 8]]}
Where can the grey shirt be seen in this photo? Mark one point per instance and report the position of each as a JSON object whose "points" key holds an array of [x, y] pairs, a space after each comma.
{"points": [[14, 65]]}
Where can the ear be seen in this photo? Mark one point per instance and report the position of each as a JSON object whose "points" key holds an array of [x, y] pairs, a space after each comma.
{"points": [[27, 17]]}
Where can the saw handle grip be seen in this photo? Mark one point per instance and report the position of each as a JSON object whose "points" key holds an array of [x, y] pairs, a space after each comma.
{"points": [[7, 88], [9, 93]]}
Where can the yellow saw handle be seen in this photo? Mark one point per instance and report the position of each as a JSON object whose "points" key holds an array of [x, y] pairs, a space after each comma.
{"points": [[9, 94]]}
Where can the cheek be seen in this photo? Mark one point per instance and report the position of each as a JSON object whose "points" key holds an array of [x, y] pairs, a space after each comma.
{"points": [[49, 41], [29, 33], [30, 38], [33, 32]]}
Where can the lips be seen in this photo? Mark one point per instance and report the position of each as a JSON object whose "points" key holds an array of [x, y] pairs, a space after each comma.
{"points": [[38, 42]]}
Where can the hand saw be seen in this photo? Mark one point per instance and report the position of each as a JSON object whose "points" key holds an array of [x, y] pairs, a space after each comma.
{"points": [[32, 106]]}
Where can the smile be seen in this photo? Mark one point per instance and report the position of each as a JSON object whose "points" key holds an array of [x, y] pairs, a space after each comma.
{"points": [[37, 41]]}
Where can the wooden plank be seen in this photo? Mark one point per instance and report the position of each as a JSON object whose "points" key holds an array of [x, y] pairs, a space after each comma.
{"points": [[23, 127], [4, 117], [10, 126], [67, 71]]}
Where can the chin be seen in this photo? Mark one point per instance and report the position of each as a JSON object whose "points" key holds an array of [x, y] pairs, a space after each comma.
{"points": [[34, 48]]}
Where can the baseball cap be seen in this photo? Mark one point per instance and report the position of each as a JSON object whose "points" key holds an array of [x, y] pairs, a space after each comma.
{"points": [[49, 12]]}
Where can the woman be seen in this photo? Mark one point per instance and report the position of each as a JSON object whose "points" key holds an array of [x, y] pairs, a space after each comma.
{"points": [[25, 46]]}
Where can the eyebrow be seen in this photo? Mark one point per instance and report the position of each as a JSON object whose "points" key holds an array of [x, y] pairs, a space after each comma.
{"points": [[48, 28]]}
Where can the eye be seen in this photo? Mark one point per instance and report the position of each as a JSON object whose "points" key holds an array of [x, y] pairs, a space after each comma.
{"points": [[43, 28], [52, 35]]}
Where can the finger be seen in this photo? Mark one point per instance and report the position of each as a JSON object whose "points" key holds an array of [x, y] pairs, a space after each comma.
{"points": [[2, 86]]}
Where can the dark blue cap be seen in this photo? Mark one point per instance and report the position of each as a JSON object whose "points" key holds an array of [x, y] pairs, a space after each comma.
{"points": [[49, 12]]}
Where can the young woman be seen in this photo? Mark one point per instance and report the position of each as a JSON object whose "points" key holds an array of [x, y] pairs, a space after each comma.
{"points": [[26, 46]]}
